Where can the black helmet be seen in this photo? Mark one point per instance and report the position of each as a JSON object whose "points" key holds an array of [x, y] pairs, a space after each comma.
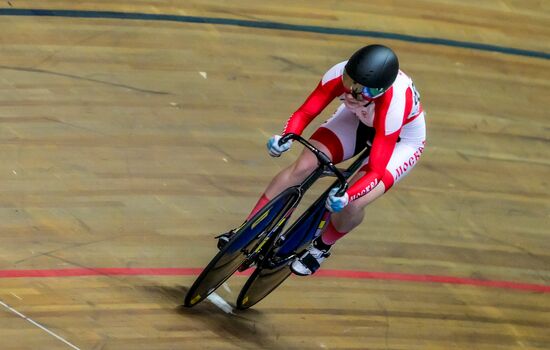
{"points": [[375, 66]]}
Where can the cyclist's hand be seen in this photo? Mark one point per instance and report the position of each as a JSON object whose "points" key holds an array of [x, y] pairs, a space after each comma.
{"points": [[335, 203], [274, 148]]}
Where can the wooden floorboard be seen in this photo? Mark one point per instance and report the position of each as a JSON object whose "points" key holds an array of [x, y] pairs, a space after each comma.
{"points": [[131, 143]]}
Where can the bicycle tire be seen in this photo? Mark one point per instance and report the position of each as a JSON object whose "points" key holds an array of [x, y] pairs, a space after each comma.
{"points": [[260, 284]]}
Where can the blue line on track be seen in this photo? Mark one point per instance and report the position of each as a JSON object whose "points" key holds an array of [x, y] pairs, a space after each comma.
{"points": [[274, 25]]}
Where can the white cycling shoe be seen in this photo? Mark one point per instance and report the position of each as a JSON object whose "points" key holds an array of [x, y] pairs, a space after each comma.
{"points": [[309, 262]]}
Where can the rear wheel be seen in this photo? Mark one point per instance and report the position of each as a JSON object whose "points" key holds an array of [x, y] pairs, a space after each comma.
{"points": [[260, 284]]}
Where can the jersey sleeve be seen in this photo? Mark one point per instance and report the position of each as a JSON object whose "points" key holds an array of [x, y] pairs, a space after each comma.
{"points": [[390, 114], [328, 88]]}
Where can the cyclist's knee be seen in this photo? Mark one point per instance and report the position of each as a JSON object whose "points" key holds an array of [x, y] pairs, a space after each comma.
{"points": [[350, 217], [354, 209]]}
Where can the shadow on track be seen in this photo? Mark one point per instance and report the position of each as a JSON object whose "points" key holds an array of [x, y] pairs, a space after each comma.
{"points": [[245, 330]]}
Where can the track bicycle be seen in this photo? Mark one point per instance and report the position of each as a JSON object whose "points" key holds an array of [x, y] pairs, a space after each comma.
{"points": [[262, 242]]}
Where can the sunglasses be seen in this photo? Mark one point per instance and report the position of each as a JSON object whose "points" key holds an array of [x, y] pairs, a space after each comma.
{"points": [[365, 91]]}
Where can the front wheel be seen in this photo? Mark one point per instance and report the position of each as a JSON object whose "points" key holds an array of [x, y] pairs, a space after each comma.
{"points": [[220, 268]]}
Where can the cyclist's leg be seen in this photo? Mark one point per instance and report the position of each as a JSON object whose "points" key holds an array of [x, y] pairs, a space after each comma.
{"points": [[405, 156], [339, 224], [401, 163], [352, 215]]}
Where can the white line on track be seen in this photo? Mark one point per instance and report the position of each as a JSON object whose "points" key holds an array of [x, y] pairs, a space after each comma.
{"points": [[226, 287], [38, 325], [17, 296], [219, 302]]}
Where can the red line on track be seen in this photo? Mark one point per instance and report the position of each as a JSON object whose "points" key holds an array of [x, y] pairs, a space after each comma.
{"points": [[388, 276]]}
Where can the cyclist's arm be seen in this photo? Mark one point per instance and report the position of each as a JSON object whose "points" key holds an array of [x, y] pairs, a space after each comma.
{"points": [[323, 94]]}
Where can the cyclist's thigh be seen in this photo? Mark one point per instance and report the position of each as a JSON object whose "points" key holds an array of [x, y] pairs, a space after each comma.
{"points": [[339, 134], [403, 159], [307, 161]]}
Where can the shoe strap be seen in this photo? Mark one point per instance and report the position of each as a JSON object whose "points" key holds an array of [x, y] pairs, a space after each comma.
{"points": [[310, 262]]}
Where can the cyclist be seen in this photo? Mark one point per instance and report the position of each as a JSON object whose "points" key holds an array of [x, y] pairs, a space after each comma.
{"points": [[380, 107]]}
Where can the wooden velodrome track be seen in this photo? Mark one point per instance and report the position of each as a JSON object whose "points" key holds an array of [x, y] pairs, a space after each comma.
{"points": [[128, 143]]}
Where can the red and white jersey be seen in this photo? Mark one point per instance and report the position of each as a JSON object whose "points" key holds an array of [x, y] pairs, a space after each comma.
{"points": [[392, 115]]}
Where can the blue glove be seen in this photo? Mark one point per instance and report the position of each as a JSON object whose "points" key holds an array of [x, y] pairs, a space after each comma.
{"points": [[334, 203], [274, 148]]}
